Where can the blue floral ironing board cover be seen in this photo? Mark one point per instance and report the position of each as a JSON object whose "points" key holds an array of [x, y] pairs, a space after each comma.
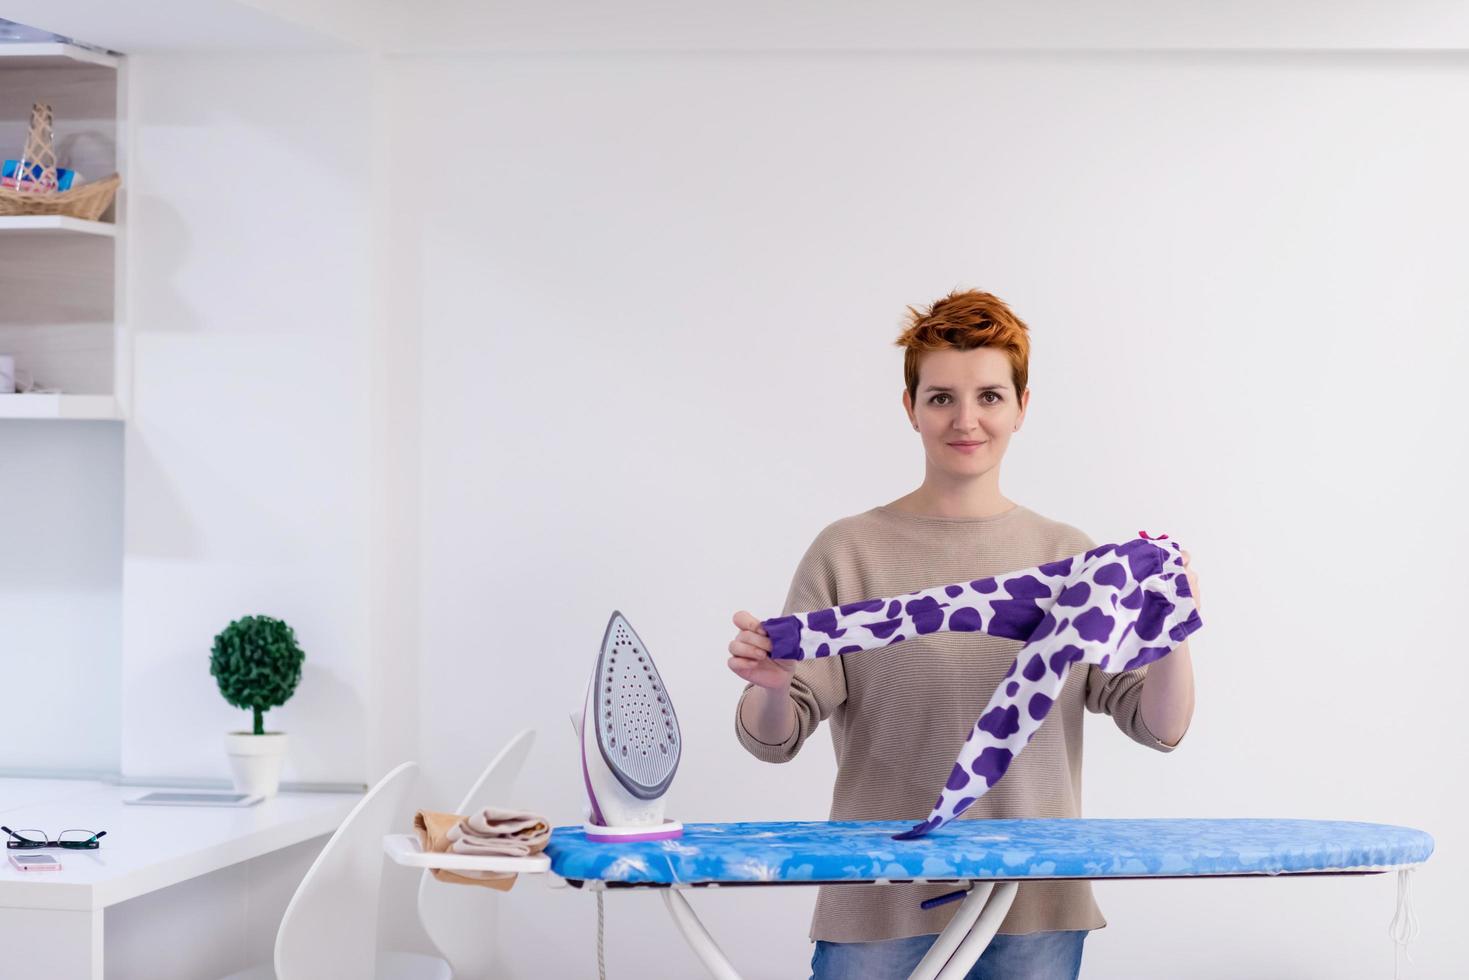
{"points": [[864, 851]]}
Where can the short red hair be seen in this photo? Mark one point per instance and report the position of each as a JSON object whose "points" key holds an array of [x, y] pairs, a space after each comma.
{"points": [[963, 321]]}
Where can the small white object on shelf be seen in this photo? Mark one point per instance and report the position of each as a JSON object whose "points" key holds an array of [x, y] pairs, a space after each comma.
{"points": [[404, 849], [98, 408], [54, 224]]}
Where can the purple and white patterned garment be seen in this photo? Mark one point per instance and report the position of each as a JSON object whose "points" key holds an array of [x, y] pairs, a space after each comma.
{"points": [[1119, 606]]}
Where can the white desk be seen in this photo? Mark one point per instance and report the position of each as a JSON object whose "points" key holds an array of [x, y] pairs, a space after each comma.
{"points": [[51, 922]]}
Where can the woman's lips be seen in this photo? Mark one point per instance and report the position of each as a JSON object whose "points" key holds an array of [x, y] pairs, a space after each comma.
{"points": [[965, 447]]}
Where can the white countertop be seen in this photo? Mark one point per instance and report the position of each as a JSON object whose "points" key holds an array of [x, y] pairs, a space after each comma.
{"points": [[146, 847]]}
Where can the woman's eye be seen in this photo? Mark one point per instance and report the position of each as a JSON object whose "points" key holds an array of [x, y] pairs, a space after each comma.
{"points": [[988, 397]]}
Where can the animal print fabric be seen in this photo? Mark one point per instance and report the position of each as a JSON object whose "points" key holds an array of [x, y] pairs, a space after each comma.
{"points": [[1119, 606]]}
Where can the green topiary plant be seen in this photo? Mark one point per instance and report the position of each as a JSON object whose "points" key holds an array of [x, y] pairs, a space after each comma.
{"points": [[257, 664]]}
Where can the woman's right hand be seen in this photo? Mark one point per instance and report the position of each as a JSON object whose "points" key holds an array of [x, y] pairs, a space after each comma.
{"points": [[751, 656]]}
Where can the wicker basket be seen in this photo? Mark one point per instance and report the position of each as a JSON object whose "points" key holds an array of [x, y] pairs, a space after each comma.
{"points": [[88, 201]]}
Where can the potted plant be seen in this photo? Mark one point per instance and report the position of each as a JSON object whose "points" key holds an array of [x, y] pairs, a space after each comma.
{"points": [[257, 663]]}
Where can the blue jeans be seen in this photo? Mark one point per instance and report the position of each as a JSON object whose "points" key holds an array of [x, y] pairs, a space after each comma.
{"points": [[1034, 956]]}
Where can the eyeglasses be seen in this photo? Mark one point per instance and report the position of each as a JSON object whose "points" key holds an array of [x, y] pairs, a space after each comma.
{"points": [[75, 839]]}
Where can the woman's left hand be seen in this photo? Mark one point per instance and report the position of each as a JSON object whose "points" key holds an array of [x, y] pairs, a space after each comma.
{"points": [[1193, 582]]}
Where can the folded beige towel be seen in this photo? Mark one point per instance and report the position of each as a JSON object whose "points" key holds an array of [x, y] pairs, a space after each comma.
{"points": [[500, 832], [433, 835]]}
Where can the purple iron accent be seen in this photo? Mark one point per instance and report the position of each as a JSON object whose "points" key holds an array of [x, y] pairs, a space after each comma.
{"points": [[587, 781], [665, 834]]}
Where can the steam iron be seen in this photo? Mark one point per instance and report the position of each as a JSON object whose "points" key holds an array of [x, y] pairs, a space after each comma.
{"points": [[629, 742]]}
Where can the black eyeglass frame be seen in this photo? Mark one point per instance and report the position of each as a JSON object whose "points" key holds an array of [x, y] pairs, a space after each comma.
{"points": [[19, 843]]}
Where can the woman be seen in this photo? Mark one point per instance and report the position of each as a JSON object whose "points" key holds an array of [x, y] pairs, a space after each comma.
{"points": [[899, 715]]}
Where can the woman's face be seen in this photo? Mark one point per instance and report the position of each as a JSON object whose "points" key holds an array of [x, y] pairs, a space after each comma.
{"points": [[966, 410]]}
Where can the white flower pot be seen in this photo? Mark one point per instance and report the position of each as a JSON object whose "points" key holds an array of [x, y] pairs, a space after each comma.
{"points": [[255, 761]]}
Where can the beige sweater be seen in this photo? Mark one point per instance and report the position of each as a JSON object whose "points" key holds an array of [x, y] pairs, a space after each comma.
{"points": [[898, 716]]}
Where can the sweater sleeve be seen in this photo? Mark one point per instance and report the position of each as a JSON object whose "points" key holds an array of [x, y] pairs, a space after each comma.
{"points": [[1120, 695], [817, 686]]}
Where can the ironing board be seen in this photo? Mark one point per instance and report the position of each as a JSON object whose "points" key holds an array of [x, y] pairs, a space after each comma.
{"points": [[984, 859]]}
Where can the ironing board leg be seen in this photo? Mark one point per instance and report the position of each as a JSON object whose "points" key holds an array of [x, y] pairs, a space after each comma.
{"points": [[964, 939], [964, 918], [697, 936]]}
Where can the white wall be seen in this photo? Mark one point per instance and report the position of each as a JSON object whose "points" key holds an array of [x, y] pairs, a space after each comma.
{"points": [[61, 594], [256, 476], [248, 448], [657, 315], [266, 469]]}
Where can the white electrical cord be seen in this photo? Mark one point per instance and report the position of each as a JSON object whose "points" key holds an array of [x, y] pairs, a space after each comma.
{"points": [[601, 963], [1404, 926]]}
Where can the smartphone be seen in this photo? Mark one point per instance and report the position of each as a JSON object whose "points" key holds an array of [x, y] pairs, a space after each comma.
{"points": [[35, 862]]}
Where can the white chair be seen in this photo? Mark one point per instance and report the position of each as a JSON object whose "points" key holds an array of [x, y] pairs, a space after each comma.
{"points": [[330, 926], [456, 917]]}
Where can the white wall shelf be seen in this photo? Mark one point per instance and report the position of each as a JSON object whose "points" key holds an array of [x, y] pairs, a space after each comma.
{"points": [[54, 224], [63, 316], [96, 408], [53, 55]]}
